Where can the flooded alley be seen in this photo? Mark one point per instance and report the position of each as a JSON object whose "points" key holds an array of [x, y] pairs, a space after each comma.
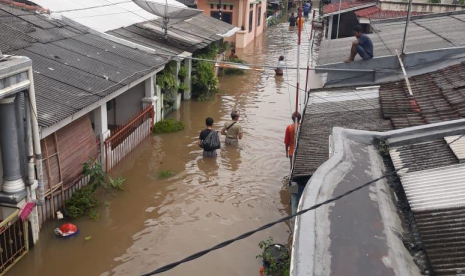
{"points": [[155, 220]]}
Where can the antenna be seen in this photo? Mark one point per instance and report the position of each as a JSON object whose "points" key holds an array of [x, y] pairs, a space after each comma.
{"points": [[409, 12], [167, 9]]}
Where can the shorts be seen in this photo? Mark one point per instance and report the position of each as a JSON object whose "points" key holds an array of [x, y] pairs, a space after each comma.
{"points": [[212, 153], [363, 54], [231, 141]]}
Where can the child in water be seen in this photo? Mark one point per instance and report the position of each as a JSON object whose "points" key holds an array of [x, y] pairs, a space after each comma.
{"points": [[280, 67]]}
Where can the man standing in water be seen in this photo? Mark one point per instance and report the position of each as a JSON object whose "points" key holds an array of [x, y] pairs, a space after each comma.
{"points": [[232, 130], [204, 134], [292, 20], [289, 136]]}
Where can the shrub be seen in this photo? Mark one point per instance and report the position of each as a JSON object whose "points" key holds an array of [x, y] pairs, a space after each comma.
{"points": [[84, 201], [165, 174], [167, 126]]}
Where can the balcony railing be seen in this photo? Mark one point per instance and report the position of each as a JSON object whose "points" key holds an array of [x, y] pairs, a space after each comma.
{"points": [[13, 241]]}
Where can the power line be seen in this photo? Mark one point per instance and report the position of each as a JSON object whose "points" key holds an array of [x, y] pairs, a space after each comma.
{"points": [[92, 7], [284, 219]]}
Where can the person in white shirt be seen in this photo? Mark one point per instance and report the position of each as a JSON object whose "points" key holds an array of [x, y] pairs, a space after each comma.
{"points": [[280, 67]]}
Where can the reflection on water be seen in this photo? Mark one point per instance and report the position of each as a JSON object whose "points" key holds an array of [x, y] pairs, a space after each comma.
{"points": [[156, 221]]}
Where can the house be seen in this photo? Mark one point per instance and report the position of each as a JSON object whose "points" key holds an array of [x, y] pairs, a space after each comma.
{"points": [[343, 132], [248, 15], [363, 12], [95, 96], [364, 118]]}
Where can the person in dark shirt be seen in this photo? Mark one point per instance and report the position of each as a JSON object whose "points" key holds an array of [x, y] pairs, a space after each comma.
{"points": [[362, 46], [292, 20], [203, 134]]}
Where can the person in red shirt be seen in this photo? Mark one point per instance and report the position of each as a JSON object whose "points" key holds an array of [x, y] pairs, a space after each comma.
{"points": [[289, 136]]}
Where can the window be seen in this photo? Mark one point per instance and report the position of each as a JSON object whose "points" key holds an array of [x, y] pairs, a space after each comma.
{"points": [[259, 15], [218, 6], [250, 20], [211, 6], [225, 7], [225, 16], [231, 7]]}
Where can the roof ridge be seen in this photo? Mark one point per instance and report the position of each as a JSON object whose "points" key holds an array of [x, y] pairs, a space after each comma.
{"points": [[25, 6]]}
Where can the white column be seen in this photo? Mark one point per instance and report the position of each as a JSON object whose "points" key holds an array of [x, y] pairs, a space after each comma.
{"points": [[240, 21], [177, 103], [188, 78], [150, 97], [330, 26], [101, 129]]}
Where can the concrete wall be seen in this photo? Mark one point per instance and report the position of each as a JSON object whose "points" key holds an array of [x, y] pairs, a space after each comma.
{"points": [[419, 6], [240, 17], [126, 105]]}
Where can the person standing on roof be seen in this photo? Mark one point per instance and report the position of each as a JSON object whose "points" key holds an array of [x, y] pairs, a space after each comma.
{"points": [[292, 20], [232, 130], [362, 46], [289, 135]]}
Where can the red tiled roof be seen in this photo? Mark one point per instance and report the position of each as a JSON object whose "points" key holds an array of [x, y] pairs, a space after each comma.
{"points": [[25, 6], [330, 8], [377, 13], [438, 96]]}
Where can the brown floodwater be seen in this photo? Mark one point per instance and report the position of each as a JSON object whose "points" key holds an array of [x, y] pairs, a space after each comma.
{"points": [[156, 221]]}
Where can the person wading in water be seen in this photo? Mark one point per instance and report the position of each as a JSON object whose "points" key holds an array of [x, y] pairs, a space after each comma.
{"points": [[289, 136], [280, 67], [232, 130], [203, 135]]}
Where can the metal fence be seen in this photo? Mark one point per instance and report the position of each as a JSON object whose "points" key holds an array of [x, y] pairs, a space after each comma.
{"points": [[126, 137], [13, 241]]}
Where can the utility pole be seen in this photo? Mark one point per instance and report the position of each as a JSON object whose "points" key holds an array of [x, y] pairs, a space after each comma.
{"points": [[339, 19], [310, 44], [296, 125], [219, 10]]}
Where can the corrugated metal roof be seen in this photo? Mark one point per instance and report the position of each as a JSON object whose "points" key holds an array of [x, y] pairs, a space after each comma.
{"points": [[457, 144], [434, 189], [70, 64], [434, 184]]}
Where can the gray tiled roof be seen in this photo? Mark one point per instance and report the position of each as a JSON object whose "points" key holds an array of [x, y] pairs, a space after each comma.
{"points": [[426, 32], [345, 107], [72, 67], [183, 35], [438, 96]]}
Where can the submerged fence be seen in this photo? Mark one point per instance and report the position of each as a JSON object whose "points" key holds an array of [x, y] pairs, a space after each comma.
{"points": [[126, 137]]}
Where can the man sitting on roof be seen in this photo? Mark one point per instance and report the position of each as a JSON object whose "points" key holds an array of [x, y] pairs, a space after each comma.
{"points": [[362, 45]]}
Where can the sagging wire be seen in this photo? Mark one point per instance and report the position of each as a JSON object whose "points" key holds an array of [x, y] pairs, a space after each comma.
{"points": [[284, 219]]}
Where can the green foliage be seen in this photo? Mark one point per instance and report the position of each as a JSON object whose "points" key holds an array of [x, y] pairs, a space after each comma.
{"points": [[183, 87], [277, 266], [462, 2], [434, 1], [182, 71], [384, 148], [167, 126], [167, 81], [234, 71], [84, 201], [224, 46], [165, 174], [204, 80]]}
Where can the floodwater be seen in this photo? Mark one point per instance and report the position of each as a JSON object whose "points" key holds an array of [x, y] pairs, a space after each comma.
{"points": [[157, 221]]}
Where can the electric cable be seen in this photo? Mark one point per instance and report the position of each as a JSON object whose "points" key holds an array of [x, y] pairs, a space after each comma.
{"points": [[284, 219], [92, 7]]}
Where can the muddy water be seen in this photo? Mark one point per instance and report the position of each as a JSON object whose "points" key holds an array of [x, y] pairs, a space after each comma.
{"points": [[157, 221]]}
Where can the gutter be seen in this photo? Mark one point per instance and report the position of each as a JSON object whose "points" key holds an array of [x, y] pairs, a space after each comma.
{"points": [[231, 32]]}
